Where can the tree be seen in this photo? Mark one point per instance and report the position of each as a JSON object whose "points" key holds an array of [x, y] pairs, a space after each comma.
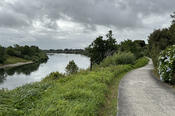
{"points": [[173, 17], [71, 68], [137, 47], [2, 54], [100, 49]]}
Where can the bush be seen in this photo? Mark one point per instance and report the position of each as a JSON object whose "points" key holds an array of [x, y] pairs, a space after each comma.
{"points": [[53, 76], [71, 68], [141, 62], [120, 58], [167, 65]]}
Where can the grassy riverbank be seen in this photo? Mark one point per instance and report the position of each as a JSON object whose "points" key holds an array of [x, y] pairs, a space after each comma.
{"points": [[86, 93], [14, 60]]}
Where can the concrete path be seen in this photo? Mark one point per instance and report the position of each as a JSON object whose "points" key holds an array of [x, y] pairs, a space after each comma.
{"points": [[140, 94]]}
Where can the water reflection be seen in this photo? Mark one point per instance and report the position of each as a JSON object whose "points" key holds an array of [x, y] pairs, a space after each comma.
{"points": [[25, 70], [14, 77]]}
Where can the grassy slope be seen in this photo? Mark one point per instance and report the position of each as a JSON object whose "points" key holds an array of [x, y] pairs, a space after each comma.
{"points": [[110, 106], [13, 60], [82, 94]]}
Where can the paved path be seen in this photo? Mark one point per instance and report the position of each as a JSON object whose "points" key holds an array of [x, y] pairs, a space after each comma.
{"points": [[140, 94]]}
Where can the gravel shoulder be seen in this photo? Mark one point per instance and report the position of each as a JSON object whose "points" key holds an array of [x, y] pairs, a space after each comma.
{"points": [[141, 94]]}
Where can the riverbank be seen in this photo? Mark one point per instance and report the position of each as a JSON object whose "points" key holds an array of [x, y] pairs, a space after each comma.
{"points": [[15, 65], [82, 94], [12, 61]]}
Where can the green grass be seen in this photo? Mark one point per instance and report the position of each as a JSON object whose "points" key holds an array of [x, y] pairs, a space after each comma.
{"points": [[110, 106], [81, 94], [13, 60]]}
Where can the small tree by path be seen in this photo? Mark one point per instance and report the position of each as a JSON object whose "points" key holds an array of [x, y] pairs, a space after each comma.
{"points": [[71, 68]]}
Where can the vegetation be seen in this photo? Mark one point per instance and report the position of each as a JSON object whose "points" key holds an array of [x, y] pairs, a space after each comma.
{"points": [[167, 65], [71, 68], [13, 59], [81, 94], [139, 48], [100, 49], [66, 51], [85, 93], [160, 39], [110, 105], [21, 54], [2, 55], [119, 58]]}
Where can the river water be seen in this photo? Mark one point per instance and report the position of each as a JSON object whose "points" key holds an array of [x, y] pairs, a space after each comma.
{"points": [[11, 78]]}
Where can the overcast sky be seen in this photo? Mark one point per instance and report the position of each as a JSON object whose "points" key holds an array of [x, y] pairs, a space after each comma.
{"points": [[76, 23]]}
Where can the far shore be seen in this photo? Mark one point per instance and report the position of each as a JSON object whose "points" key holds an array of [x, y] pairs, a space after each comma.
{"points": [[15, 65]]}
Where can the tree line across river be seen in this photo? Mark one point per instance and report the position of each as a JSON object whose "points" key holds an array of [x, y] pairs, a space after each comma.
{"points": [[21, 53]]}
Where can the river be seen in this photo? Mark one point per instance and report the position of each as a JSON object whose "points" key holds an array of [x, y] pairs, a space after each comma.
{"points": [[11, 78]]}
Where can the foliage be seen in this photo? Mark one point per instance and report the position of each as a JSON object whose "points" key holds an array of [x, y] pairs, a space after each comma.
{"points": [[20, 101], [71, 68], [159, 40], [167, 65], [137, 47], [2, 55], [100, 49], [141, 62], [119, 58], [81, 94], [13, 59], [24, 52], [53, 76]]}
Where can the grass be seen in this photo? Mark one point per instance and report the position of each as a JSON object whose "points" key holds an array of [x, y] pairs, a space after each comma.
{"points": [[110, 106], [87, 93], [13, 60]]}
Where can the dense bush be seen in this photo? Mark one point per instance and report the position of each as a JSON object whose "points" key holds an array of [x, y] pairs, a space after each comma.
{"points": [[99, 49], [71, 68], [119, 58], [160, 39], [53, 76], [167, 65], [2, 55], [137, 47]]}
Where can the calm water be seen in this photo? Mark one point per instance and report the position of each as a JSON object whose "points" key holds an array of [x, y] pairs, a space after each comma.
{"points": [[14, 77]]}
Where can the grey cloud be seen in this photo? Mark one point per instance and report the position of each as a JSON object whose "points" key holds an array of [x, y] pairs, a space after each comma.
{"points": [[119, 15], [122, 14]]}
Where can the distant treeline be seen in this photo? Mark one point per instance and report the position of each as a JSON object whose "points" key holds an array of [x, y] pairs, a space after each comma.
{"points": [[67, 51], [31, 53]]}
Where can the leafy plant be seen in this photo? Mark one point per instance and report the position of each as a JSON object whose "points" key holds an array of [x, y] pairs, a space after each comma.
{"points": [[119, 58], [167, 65], [71, 68]]}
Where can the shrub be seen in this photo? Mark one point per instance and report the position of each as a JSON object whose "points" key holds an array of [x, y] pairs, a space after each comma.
{"points": [[119, 58], [167, 65], [53, 76], [141, 62], [71, 68]]}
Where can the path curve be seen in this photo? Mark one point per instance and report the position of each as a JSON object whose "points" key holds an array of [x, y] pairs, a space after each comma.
{"points": [[141, 94]]}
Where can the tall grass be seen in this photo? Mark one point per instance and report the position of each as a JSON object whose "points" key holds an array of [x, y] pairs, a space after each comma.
{"points": [[119, 58], [81, 94]]}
